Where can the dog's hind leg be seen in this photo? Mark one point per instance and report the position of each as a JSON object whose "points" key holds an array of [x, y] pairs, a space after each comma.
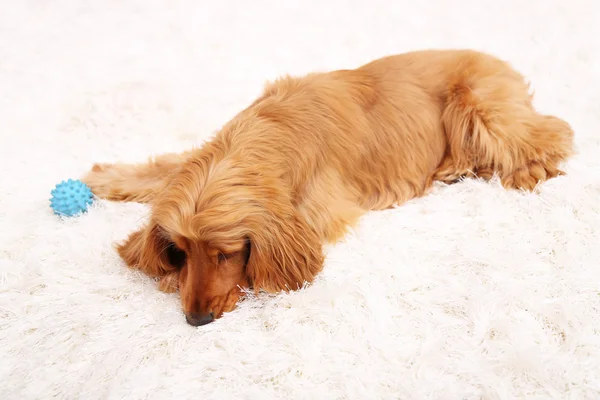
{"points": [[492, 126]]}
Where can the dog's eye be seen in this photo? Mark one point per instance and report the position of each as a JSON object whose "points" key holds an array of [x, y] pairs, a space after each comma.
{"points": [[176, 256]]}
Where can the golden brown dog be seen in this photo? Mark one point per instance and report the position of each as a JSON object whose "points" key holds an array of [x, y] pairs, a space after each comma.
{"points": [[294, 170]]}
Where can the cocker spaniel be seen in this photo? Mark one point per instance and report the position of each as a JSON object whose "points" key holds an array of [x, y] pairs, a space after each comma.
{"points": [[253, 207]]}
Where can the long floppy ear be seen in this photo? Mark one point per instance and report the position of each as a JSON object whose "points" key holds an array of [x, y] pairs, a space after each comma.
{"points": [[285, 252], [149, 251]]}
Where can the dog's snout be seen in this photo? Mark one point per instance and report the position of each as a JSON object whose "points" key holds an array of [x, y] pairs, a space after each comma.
{"points": [[195, 319]]}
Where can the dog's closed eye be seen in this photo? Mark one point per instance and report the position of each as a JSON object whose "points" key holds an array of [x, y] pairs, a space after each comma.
{"points": [[176, 256]]}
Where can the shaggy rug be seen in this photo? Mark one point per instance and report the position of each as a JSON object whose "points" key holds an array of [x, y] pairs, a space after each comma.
{"points": [[471, 292]]}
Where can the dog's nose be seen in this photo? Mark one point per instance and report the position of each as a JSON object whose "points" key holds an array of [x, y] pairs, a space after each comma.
{"points": [[195, 319]]}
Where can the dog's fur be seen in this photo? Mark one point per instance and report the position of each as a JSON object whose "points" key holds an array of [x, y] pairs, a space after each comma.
{"points": [[294, 170]]}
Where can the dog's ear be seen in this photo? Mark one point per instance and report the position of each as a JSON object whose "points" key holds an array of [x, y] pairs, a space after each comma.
{"points": [[285, 253], [149, 251]]}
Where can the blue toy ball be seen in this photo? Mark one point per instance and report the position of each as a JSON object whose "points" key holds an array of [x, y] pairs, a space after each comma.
{"points": [[70, 198]]}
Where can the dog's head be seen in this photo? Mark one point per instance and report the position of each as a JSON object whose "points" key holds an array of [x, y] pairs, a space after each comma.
{"points": [[219, 228]]}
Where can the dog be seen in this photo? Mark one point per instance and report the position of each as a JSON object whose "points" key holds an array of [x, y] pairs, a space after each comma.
{"points": [[253, 207]]}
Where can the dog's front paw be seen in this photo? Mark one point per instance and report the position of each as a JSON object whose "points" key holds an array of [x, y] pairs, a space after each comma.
{"points": [[108, 181]]}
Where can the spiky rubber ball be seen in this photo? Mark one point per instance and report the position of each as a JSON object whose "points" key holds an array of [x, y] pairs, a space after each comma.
{"points": [[70, 198]]}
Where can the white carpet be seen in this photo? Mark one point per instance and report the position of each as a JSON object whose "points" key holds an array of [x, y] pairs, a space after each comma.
{"points": [[470, 293]]}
